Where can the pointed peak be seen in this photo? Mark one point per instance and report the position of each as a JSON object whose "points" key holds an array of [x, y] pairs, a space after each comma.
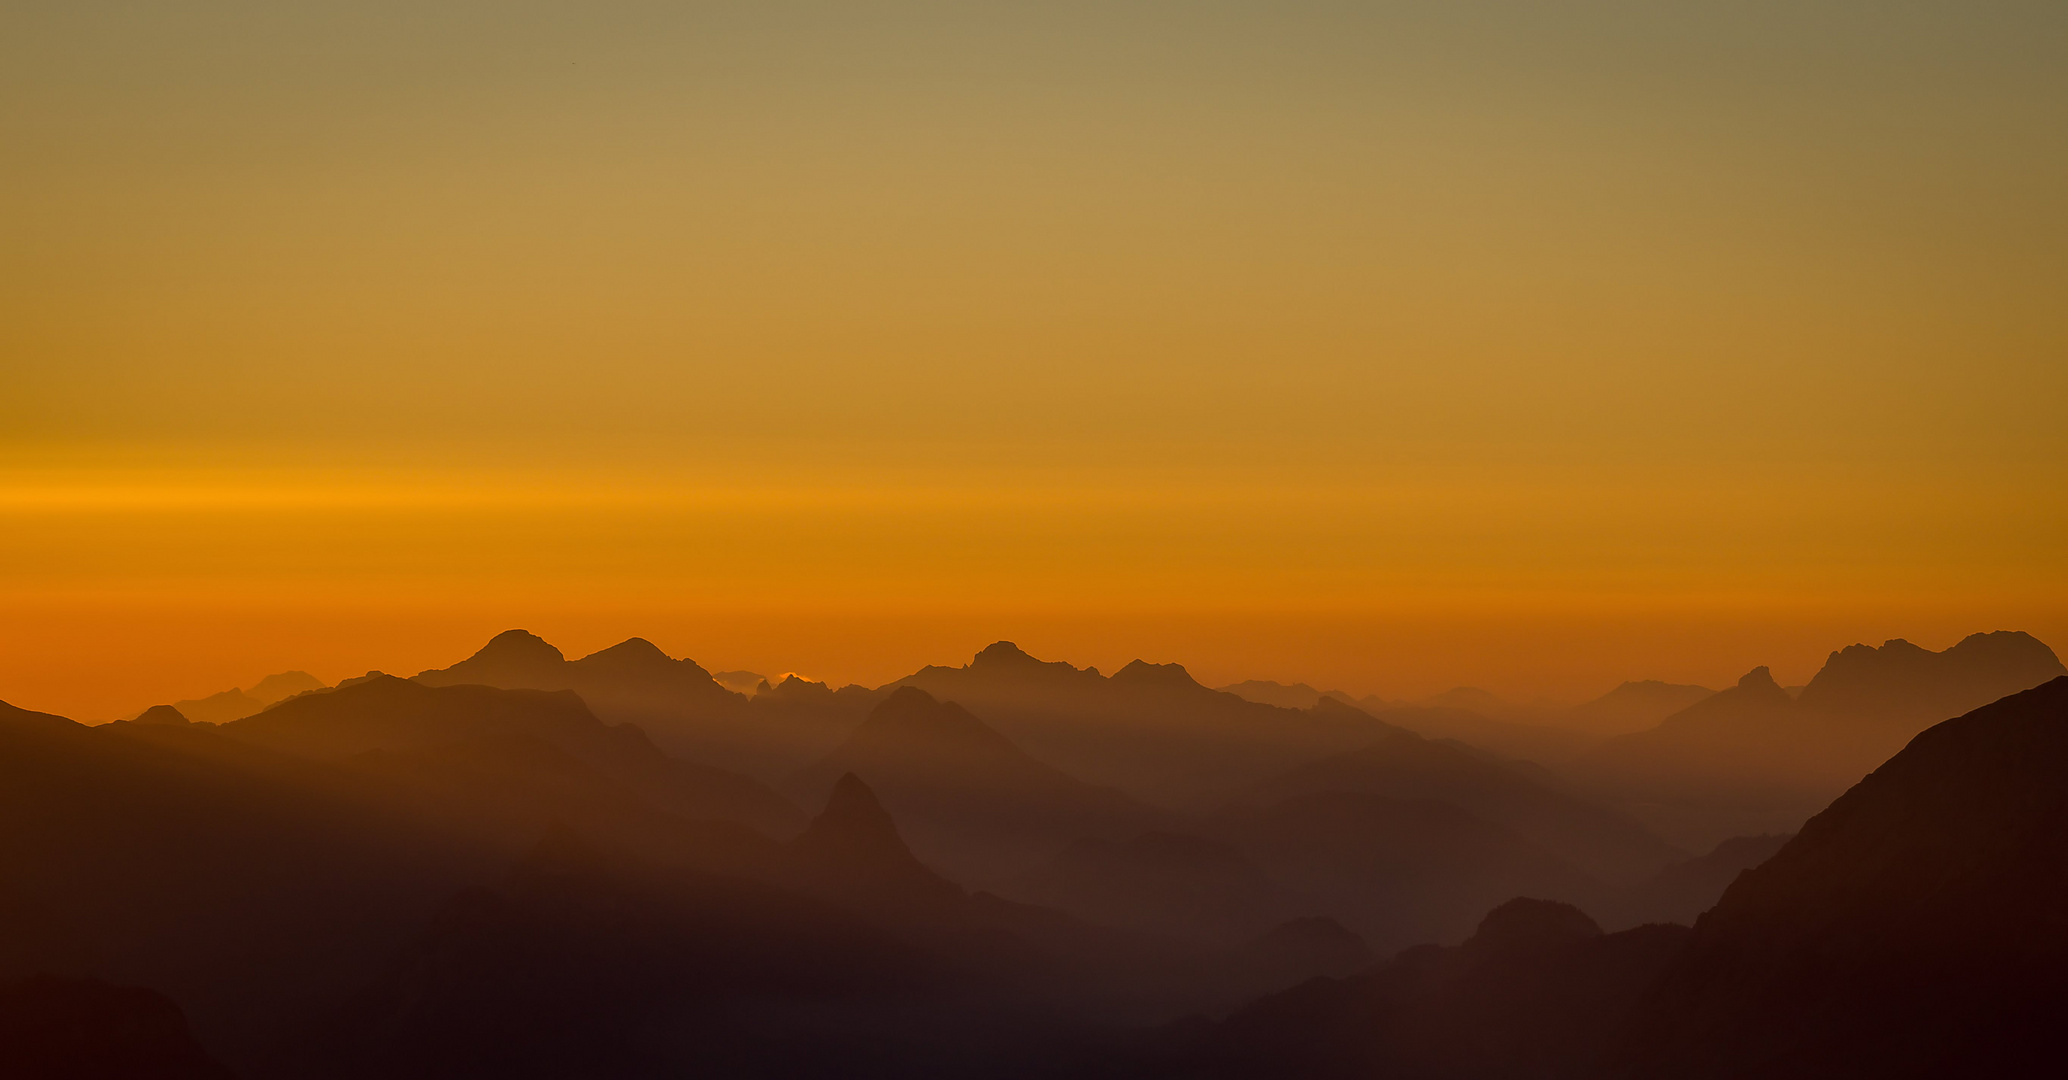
{"points": [[1759, 678], [519, 645], [852, 801], [164, 715]]}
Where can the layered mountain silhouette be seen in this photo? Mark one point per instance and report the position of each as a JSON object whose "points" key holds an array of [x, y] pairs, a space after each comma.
{"points": [[1754, 759], [1633, 706], [238, 704], [399, 725], [1601, 842], [970, 800], [1538, 990], [1914, 928], [1398, 872], [1148, 729]]}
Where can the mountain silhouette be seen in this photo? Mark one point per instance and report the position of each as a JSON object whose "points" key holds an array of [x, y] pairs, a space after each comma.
{"points": [[1149, 729], [1397, 871], [1914, 928], [968, 799], [238, 704], [682, 707], [1293, 696], [398, 717], [1754, 759], [852, 849], [85, 1029], [1537, 990], [1633, 706], [676, 702], [253, 888], [162, 714], [1601, 842]]}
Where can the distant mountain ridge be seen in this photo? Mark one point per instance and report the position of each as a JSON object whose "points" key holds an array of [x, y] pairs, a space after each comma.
{"points": [[1755, 759], [1149, 729]]}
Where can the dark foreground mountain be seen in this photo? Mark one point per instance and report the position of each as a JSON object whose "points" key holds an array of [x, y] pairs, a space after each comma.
{"points": [[1537, 991], [1914, 928], [1148, 729], [84, 1029]]}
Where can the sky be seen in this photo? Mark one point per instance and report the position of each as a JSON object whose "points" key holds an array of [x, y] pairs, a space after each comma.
{"points": [[1384, 346]]}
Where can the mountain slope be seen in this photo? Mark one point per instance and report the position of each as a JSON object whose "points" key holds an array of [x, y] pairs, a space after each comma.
{"points": [[1149, 729], [1914, 928], [1535, 992], [401, 717], [1597, 840], [968, 799], [1753, 759]]}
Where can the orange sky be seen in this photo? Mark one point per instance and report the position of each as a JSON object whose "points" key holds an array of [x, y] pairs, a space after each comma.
{"points": [[1532, 346]]}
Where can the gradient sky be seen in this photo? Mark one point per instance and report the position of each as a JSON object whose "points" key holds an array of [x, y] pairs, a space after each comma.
{"points": [[1387, 346]]}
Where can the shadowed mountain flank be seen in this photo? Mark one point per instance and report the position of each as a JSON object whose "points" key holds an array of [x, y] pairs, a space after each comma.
{"points": [[1397, 871], [1149, 729], [1914, 928], [968, 799]]}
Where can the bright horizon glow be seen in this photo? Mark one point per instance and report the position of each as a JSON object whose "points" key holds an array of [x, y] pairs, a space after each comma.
{"points": [[1386, 347]]}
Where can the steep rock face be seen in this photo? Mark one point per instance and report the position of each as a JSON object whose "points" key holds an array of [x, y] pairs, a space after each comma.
{"points": [[970, 800], [1914, 928]]}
